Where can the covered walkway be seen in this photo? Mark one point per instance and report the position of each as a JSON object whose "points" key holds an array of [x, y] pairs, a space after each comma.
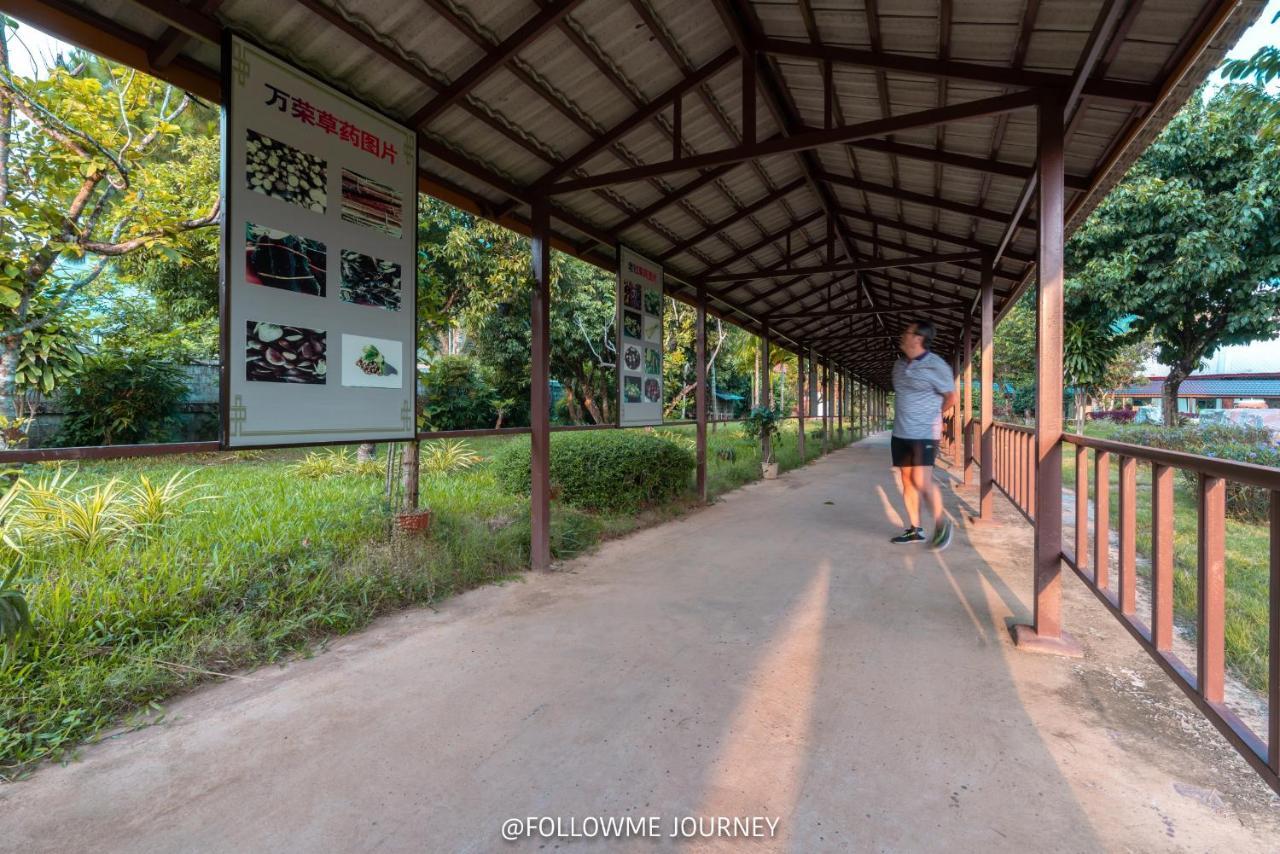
{"points": [[770, 655]]}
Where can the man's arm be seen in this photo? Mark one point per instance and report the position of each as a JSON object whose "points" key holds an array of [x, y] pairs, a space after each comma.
{"points": [[949, 400]]}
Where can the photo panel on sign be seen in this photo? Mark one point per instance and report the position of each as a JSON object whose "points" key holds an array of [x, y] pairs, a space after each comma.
{"points": [[277, 259], [372, 362]]}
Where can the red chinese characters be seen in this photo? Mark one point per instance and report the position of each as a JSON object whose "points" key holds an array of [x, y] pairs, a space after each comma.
{"points": [[308, 114]]}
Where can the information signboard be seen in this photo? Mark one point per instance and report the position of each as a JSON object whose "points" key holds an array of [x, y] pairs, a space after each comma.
{"points": [[639, 325], [318, 250]]}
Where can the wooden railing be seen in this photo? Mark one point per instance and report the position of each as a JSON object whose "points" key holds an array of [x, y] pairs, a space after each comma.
{"points": [[1117, 587], [1013, 465]]}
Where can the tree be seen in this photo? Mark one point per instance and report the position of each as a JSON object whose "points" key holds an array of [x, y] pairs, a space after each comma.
{"points": [[1189, 241], [1092, 337], [94, 166]]}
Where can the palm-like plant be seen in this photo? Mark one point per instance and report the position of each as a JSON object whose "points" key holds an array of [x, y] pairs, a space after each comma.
{"points": [[15, 613], [444, 456]]}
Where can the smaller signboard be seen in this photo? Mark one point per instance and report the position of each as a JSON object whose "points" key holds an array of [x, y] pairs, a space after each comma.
{"points": [[639, 325]]}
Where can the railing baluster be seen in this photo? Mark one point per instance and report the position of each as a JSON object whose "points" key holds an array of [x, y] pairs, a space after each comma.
{"points": [[1211, 578], [1128, 534], [1082, 507], [1033, 471], [1273, 705], [1162, 556], [1101, 518]]}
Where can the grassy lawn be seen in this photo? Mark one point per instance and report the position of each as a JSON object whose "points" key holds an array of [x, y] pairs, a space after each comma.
{"points": [[271, 567], [1247, 555]]}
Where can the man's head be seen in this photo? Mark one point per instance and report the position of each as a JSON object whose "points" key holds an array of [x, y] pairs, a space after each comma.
{"points": [[916, 338]]}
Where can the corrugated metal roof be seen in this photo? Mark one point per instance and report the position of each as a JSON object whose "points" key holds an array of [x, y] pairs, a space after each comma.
{"points": [[1208, 387], [545, 81]]}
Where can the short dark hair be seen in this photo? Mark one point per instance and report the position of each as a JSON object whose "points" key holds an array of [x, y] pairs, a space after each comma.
{"points": [[925, 330]]}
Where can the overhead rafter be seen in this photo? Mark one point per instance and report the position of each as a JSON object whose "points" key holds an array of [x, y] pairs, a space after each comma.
{"points": [[807, 140], [876, 264], [492, 61], [1116, 90]]}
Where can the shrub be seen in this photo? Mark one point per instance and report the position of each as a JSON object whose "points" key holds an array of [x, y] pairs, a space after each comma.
{"points": [[122, 400], [444, 456], [455, 396], [1221, 441], [1117, 416], [610, 471]]}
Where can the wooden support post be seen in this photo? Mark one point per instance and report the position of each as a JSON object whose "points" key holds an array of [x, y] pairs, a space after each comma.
{"points": [[826, 405], [800, 404], [987, 468], [766, 389], [540, 394], [840, 406], [813, 385], [700, 393], [966, 407], [1045, 633]]}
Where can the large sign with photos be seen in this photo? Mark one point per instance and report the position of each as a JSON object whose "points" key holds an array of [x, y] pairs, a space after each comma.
{"points": [[319, 243], [639, 325]]}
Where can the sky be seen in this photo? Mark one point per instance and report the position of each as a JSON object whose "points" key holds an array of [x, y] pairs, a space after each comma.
{"points": [[38, 48]]}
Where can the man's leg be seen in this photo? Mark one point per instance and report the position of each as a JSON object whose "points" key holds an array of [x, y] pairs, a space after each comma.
{"points": [[911, 494], [925, 486]]}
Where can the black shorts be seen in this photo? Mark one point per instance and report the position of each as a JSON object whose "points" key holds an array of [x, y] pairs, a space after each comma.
{"points": [[912, 452]]}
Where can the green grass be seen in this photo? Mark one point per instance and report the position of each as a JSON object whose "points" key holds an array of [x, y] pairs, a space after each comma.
{"points": [[1247, 556], [278, 563]]}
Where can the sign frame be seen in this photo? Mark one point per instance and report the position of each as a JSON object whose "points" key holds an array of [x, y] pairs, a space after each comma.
{"points": [[639, 413], [231, 434]]}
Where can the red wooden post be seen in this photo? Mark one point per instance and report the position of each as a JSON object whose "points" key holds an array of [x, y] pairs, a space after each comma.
{"points": [[1045, 633], [1082, 507], [1128, 534], [966, 406], [539, 394], [1162, 556], [1101, 518], [1211, 581], [700, 394], [800, 404], [840, 405]]}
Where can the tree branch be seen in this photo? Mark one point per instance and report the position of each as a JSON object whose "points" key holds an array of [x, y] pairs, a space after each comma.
{"points": [[138, 241]]}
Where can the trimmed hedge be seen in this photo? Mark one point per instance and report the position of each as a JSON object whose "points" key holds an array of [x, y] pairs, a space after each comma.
{"points": [[1224, 442], [610, 471]]}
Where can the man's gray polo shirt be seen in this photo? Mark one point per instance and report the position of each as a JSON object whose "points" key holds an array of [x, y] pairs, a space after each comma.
{"points": [[918, 387]]}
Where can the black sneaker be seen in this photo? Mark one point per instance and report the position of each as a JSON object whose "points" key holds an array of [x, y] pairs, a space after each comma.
{"points": [[910, 535], [942, 536]]}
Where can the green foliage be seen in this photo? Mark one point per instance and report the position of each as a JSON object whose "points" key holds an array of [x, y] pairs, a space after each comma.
{"points": [[456, 396], [445, 456], [102, 162], [1220, 441], [122, 399], [762, 424], [334, 462], [606, 471], [1189, 241]]}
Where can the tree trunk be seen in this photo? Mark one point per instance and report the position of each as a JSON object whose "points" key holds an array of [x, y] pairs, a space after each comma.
{"points": [[409, 475], [1080, 398], [1169, 395], [9, 352]]}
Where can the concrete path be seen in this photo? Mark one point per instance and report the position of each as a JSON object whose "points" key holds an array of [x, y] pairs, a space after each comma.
{"points": [[770, 656]]}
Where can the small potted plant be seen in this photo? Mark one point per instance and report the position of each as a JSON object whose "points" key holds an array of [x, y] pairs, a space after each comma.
{"points": [[762, 424]]}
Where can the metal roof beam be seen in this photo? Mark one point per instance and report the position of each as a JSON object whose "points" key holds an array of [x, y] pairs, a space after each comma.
{"points": [[876, 264], [492, 61], [715, 227], [1116, 90], [804, 141], [964, 161]]}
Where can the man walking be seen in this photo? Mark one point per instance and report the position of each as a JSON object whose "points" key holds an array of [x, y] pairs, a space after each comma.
{"points": [[923, 389]]}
